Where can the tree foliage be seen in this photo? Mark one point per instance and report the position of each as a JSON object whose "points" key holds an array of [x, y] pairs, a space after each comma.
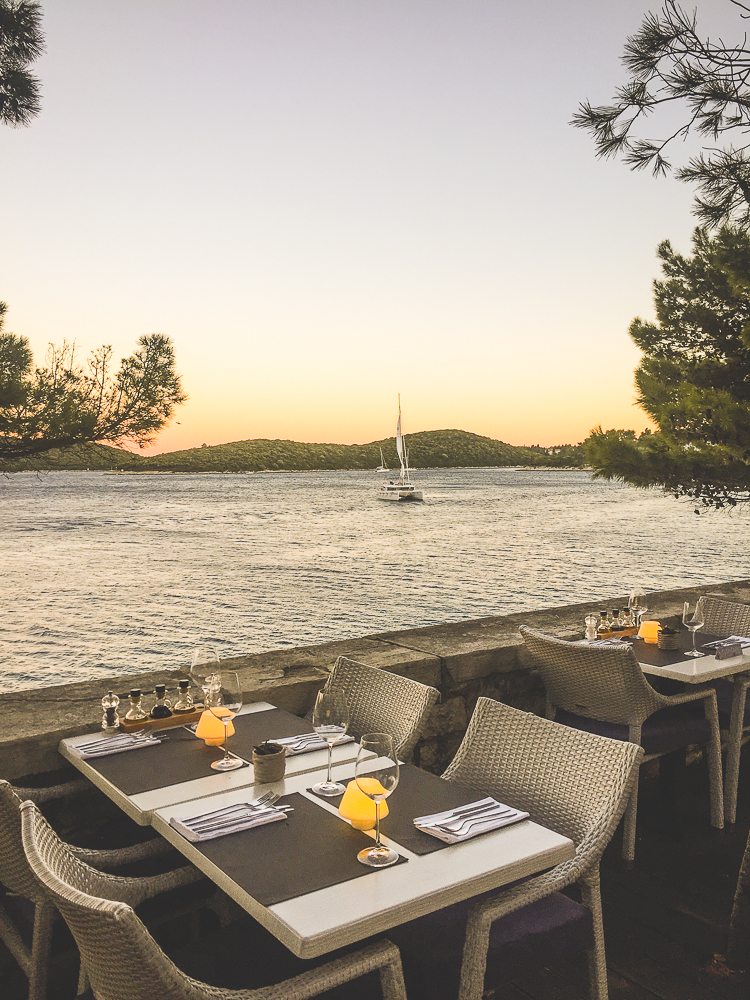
{"points": [[21, 41], [693, 380], [671, 65], [65, 403]]}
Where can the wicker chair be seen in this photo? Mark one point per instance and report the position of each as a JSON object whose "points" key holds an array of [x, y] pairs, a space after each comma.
{"points": [[604, 690], [724, 618], [572, 782], [382, 702], [17, 878], [123, 961]]}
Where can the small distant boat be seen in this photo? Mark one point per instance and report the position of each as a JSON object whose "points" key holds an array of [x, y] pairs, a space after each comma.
{"points": [[403, 489], [382, 467]]}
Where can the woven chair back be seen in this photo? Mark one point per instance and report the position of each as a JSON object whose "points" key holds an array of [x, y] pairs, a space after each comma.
{"points": [[604, 683], [15, 873], [121, 958], [724, 618], [382, 702], [573, 782]]}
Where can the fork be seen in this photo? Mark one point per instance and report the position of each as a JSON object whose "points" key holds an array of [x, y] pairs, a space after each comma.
{"points": [[267, 799], [456, 826]]}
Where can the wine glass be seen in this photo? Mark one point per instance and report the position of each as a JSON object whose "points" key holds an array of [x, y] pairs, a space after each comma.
{"points": [[694, 622], [330, 721], [225, 701], [638, 605], [204, 669], [377, 777]]}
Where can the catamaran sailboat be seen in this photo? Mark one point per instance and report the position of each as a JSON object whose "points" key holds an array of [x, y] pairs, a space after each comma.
{"points": [[382, 467], [403, 489]]}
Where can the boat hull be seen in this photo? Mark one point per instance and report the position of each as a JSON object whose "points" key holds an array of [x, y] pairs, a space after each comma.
{"points": [[399, 494]]}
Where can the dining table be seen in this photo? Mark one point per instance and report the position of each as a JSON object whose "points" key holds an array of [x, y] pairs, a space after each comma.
{"points": [[676, 665], [178, 769], [300, 877]]}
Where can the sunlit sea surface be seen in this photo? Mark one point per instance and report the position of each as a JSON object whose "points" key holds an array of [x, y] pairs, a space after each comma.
{"points": [[106, 573]]}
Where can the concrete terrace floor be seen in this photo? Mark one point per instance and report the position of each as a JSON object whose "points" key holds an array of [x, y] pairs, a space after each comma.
{"points": [[664, 920]]}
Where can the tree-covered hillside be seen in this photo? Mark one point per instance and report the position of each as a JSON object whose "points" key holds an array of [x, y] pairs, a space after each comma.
{"points": [[427, 450]]}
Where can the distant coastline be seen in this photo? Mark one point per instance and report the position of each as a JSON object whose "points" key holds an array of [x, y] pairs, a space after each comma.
{"points": [[445, 449]]}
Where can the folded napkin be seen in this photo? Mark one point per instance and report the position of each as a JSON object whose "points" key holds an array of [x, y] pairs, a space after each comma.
{"points": [[730, 640], [598, 643], [306, 743], [475, 817], [209, 826], [113, 744]]}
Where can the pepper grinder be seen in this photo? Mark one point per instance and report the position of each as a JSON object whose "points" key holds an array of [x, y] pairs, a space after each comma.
{"points": [[110, 718]]}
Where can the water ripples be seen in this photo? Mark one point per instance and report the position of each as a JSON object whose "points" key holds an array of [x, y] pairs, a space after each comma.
{"points": [[107, 574]]}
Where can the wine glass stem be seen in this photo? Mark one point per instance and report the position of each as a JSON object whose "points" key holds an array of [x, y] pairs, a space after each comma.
{"points": [[693, 632], [378, 845], [330, 755], [226, 733]]}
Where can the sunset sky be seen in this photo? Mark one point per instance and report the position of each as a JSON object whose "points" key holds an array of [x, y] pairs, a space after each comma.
{"points": [[328, 202]]}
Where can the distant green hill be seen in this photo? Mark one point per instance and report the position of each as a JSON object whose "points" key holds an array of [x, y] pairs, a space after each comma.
{"points": [[427, 450]]}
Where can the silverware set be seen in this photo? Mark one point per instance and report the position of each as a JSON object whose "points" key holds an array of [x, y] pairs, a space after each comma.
{"points": [[111, 743], [230, 816]]}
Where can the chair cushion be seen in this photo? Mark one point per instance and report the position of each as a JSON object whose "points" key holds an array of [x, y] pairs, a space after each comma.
{"points": [[540, 933], [664, 731]]}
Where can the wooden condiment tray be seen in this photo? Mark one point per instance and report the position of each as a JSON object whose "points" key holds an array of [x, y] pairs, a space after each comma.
{"points": [[178, 719]]}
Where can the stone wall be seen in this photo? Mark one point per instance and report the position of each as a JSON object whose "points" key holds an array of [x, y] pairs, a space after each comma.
{"points": [[464, 661]]}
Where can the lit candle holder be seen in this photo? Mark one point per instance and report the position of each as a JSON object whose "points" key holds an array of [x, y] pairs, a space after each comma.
{"points": [[649, 632], [359, 809], [210, 728]]}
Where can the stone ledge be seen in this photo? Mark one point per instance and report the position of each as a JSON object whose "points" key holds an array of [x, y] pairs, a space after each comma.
{"points": [[463, 660]]}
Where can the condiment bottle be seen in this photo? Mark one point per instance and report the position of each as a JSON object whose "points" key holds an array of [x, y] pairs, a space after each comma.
{"points": [[110, 718], [135, 713], [185, 702], [162, 708], [603, 627]]}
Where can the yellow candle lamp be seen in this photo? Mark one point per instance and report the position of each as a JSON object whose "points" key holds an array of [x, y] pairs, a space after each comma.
{"points": [[649, 632], [211, 729], [358, 808]]}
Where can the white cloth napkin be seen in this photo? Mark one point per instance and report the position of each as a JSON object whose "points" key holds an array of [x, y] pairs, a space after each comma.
{"points": [[114, 744], [502, 815], [742, 639], [224, 825], [290, 744]]}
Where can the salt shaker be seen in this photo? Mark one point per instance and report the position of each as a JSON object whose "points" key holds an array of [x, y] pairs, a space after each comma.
{"points": [[110, 718], [592, 622]]}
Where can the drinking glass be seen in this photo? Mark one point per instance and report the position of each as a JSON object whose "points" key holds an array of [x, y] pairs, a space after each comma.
{"points": [[226, 701], [330, 721], [377, 777], [694, 622], [204, 669]]}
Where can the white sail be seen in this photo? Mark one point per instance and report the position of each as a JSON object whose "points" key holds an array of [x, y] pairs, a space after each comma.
{"points": [[399, 438]]}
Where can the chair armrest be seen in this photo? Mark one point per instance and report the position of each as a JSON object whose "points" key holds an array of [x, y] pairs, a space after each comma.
{"points": [[77, 786], [703, 693], [380, 955], [106, 860]]}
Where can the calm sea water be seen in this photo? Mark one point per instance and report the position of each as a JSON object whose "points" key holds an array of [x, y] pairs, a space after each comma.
{"points": [[104, 573]]}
